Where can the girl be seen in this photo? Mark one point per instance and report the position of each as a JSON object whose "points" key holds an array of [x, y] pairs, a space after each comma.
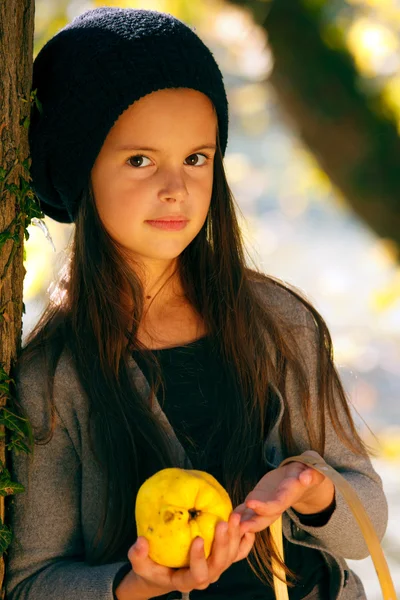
{"points": [[162, 347]]}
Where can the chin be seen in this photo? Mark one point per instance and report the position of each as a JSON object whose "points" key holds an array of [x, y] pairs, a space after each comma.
{"points": [[162, 256], [170, 253]]}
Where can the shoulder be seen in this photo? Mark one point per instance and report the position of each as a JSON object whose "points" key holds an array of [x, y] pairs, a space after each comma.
{"points": [[294, 321], [34, 377], [288, 303], [299, 330], [33, 369]]}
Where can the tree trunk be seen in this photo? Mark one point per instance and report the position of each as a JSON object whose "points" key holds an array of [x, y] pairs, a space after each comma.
{"points": [[16, 55], [349, 131]]}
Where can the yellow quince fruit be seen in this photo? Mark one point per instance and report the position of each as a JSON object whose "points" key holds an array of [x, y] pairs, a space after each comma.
{"points": [[173, 507]]}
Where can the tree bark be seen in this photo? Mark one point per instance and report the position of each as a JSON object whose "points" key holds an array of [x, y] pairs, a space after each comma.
{"points": [[16, 56], [348, 130]]}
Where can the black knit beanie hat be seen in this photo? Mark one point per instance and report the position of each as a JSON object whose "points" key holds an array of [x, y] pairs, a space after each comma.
{"points": [[89, 73]]}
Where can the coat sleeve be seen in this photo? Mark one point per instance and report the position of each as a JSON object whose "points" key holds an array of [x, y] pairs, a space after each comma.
{"points": [[46, 556], [341, 535]]}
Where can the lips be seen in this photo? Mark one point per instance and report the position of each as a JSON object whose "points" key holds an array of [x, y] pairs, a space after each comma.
{"points": [[168, 224], [170, 218]]}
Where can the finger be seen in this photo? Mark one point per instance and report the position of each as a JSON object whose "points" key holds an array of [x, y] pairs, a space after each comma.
{"points": [[268, 508], [311, 477], [293, 469], [307, 479], [257, 524], [265, 513], [139, 551], [240, 508], [219, 557], [289, 492], [296, 469], [247, 514], [234, 536], [197, 577], [246, 544], [145, 567]]}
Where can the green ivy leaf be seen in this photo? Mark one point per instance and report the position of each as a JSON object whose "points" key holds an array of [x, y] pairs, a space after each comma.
{"points": [[4, 388], [4, 236], [24, 185], [19, 425], [4, 374], [6, 536], [25, 164], [36, 101], [12, 188], [17, 445], [39, 105], [9, 487], [33, 209]]}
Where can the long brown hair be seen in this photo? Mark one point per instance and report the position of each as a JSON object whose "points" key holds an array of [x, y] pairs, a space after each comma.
{"points": [[92, 320]]}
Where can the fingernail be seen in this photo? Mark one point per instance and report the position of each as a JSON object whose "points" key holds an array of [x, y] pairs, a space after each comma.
{"points": [[236, 519], [307, 478], [138, 546]]}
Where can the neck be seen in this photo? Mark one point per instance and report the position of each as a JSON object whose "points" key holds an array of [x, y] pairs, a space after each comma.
{"points": [[161, 284]]}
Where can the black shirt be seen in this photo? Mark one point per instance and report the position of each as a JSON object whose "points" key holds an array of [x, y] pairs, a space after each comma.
{"points": [[192, 385]]}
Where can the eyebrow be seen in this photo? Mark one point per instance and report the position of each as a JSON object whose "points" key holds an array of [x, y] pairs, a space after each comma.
{"points": [[147, 149]]}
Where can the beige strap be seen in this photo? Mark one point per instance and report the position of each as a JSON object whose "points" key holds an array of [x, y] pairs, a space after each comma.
{"points": [[279, 575], [362, 518]]}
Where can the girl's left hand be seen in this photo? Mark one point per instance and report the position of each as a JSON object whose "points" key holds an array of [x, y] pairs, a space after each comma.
{"points": [[295, 485]]}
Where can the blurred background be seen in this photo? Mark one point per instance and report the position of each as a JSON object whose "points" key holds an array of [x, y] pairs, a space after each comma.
{"points": [[313, 160]]}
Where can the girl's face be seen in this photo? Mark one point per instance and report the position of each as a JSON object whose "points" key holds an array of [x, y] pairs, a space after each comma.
{"points": [[156, 162]]}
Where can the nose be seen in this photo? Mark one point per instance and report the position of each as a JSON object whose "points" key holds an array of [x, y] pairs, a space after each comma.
{"points": [[174, 190]]}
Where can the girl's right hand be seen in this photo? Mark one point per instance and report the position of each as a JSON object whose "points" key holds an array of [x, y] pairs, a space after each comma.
{"points": [[229, 546]]}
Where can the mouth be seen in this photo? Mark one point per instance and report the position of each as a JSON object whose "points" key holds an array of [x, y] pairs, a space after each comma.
{"points": [[168, 224], [171, 218]]}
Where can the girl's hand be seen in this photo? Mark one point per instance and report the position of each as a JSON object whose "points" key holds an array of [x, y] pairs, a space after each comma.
{"points": [[294, 485], [229, 546]]}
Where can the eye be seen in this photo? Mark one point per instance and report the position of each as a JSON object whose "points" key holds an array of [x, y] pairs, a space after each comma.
{"points": [[133, 160], [136, 158], [205, 156]]}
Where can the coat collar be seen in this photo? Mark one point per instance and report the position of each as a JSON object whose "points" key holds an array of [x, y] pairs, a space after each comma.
{"points": [[272, 446], [182, 459]]}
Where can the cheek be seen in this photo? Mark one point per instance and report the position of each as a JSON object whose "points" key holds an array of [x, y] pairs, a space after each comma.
{"points": [[204, 192], [115, 200], [103, 189]]}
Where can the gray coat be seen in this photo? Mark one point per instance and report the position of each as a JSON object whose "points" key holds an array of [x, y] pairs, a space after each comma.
{"points": [[56, 518]]}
